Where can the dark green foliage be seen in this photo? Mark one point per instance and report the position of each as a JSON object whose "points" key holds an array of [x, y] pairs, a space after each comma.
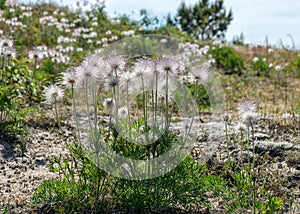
{"points": [[101, 15], [201, 96], [204, 20], [181, 189], [2, 4], [147, 20], [85, 188], [13, 95], [227, 60]]}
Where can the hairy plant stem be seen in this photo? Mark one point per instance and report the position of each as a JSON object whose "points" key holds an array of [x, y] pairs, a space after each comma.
{"points": [[95, 108], [3, 84], [31, 80], [56, 110], [285, 88], [144, 103], [227, 141], [75, 112], [156, 96], [167, 103], [248, 143], [127, 102], [254, 170], [274, 94], [2, 72], [88, 109]]}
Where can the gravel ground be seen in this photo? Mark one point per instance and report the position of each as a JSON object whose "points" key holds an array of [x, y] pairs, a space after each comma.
{"points": [[20, 175]]}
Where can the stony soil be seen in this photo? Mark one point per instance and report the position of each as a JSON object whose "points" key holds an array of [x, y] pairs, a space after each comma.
{"points": [[21, 174]]}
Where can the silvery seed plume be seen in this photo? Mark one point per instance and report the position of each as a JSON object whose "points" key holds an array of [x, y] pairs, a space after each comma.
{"points": [[201, 73], [85, 74], [167, 64], [53, 93], [69, 78], [143, 67], [249, 117], [111, 82], [246, 106], [116, 63], [125, 79], [123, 113]]}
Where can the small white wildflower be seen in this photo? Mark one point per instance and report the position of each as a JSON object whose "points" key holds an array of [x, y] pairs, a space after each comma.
{"points": [[277, 67], [35, 54], [6, 43], [255, 59], [9, 53], [270, 50]]}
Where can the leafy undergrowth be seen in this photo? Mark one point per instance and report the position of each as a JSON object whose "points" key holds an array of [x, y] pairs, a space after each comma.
{"points": [[189, 188]]}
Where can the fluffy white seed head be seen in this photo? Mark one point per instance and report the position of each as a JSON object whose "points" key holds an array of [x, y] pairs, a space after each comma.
{"points": [[249, 117], [122, 113], [246, 106], [53, 93], [69, 78]]}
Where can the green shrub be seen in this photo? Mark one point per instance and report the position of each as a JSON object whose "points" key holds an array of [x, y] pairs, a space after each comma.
{"points": [[261, 67], [227, 59], [297, 66], [13, 95]]}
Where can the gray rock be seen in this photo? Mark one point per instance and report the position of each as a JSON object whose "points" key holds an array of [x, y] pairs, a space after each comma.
{"points": [[275, 148]]}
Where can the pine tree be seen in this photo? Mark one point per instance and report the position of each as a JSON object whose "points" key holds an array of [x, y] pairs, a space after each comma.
{"points": [[204, 20]]}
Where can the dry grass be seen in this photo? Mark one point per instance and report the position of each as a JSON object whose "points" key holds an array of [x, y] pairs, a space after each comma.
{"points": [[265, 89]]}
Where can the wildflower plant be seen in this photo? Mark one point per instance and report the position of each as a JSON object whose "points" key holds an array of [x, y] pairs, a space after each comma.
{"points": [[141, 93], [53, 95], [247, 113], [261, 66]]}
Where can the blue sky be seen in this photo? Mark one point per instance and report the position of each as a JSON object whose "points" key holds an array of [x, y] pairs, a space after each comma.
{"points": [[255, 18]]}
